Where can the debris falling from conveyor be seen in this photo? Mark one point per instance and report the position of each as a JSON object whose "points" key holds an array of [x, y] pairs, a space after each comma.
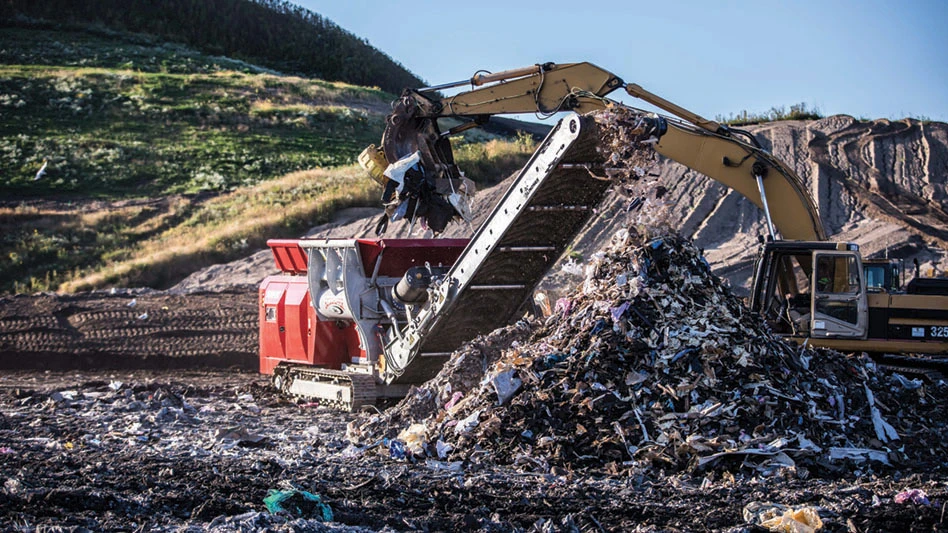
{"points": [[624, 143], [627, 137]]}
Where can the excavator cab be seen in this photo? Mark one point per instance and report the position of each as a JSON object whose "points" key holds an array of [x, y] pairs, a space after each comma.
{"points": [[812, 290]]}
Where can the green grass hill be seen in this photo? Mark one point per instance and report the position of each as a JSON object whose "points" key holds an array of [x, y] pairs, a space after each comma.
{"points": [[158, 159], [119, 130]]}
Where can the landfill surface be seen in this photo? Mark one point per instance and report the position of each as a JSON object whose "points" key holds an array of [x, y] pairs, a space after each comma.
{"points": [[130, 328], [196, 451], [647, 398]]}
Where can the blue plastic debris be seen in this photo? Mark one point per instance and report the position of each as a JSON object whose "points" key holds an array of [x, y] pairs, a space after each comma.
{"points": [[553, 358], [397, 449], [298, 503], [682, 353]]}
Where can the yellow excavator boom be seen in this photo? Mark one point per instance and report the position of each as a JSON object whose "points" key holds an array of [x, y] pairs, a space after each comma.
{"points": [[728, 155]]}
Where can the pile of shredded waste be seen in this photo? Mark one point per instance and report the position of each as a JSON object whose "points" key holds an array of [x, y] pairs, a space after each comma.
{"points": [[653, 365]]}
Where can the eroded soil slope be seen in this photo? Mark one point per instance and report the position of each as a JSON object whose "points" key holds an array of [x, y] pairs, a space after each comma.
{"points": [[880, 184]]}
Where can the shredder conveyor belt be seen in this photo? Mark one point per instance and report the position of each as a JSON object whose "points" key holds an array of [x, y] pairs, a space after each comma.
{"points": [[529, 229]]}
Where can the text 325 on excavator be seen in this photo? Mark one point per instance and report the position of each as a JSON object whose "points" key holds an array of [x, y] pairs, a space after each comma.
{"points": [[352, 320]]}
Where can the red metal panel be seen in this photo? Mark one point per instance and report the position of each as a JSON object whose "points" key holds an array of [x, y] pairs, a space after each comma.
{"points": [[402, 254], [297, 327], [290, 330], [330, 348], [356, 353], [272, 294], [313, 322], [289, 327], [288, 255]]}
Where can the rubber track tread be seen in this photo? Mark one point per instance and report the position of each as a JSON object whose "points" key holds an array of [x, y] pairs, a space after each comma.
{"points": [[362, 386]]}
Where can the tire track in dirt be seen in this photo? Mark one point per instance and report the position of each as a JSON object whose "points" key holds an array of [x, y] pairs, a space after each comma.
{"points": [[131, 329]]}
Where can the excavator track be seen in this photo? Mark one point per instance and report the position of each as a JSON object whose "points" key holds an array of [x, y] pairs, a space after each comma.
{"points": [[336, 389], [931, 368]]}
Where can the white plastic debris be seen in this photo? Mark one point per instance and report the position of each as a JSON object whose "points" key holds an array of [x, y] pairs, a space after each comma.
{"points": [[396, 171], [414, 438], [506, 384], [572, 267], [453, 466], [858, 455], [782, 518], [908, 384], [443, 449], [468, 424], [462, 199], [233, 436], [884, 430], [58, 396]]}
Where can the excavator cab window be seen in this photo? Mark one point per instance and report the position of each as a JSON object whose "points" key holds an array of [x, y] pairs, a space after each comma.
{"points": [[897, 275], [840, 306], [883, 275], [875, 278]]}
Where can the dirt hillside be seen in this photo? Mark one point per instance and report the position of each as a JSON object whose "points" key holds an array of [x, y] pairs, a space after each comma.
{"points": [[880, 184]]}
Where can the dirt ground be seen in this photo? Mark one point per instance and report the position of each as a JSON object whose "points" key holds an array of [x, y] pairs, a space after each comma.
{"points": [[139, 329], [197, 450]]}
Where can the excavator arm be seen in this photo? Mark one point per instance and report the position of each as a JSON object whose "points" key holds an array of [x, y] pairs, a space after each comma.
{"points": [[728, 155], [750, 171]]}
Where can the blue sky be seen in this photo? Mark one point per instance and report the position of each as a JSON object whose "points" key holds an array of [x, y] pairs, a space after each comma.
{"points": [[869, 59]]}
